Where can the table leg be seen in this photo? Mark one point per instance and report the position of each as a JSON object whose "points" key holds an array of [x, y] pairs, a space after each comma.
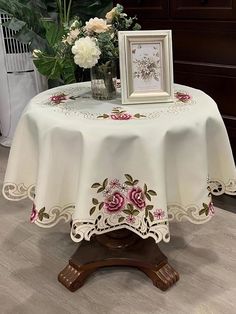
{"points": [[118, 248]]}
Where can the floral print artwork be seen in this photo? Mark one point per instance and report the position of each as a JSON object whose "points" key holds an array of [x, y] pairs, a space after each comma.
{"points": [[118, 113], [126, 199], [38, 215]]}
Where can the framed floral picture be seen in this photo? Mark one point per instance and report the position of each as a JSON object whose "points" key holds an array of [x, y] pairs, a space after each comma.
{"points": [[146, 66]]}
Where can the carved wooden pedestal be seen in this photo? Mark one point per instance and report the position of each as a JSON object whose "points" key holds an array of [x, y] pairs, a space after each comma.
{"points": [[118, 248]]}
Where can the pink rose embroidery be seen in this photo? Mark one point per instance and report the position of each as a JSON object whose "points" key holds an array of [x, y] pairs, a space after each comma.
{"points": [[182, 96], [34, 214], [114, 203], [159, 213], [136, 196], [57, 99], [123, 116]]}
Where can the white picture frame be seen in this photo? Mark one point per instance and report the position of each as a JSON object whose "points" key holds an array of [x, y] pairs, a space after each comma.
{"points": [[146, 66]]}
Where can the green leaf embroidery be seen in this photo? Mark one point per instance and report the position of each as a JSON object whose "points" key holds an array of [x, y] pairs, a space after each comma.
{"points": [[46, 215], [129, 183], [95, 185], [202, 211], [127, 211], [146, 212], [128, 177], [105, 183], [121, 219], [135, 212], [100, 205], [92, 210], [151, 216], [145, 188], [135, 182], [149, 207], [95, 201], [151, 192], [100, 189], [148, 196], [130, 206]]}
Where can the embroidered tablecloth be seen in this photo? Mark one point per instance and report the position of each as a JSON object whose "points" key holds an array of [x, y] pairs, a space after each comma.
{"points": [[105, 166]]}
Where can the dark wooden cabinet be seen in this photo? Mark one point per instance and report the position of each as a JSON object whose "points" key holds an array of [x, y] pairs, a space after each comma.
{"points": [[204, 46]]}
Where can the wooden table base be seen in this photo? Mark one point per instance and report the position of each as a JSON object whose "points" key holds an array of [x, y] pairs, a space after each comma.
{"points": [[118, 248]]}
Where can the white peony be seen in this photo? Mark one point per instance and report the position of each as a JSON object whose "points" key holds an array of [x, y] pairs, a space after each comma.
{"points": [[96, 25], [86, 52]]}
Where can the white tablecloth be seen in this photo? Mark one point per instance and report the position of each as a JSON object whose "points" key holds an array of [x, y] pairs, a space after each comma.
{"points": [[107, 166]]}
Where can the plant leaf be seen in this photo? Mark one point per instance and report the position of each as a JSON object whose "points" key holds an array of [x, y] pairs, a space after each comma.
{"points": [[129, 183], [100, 189], [100, 205], [105, 182], [149, 207], [135, 212], [151, 217], [127, 211], [128, 177], [95, 201], [202, 211], [145, 188], [121, 219], [151, 192], [92, 210], [95, 185], [148, 196]]}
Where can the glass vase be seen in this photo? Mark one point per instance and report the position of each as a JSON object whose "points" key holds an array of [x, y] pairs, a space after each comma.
{"points": [[103, 80]]}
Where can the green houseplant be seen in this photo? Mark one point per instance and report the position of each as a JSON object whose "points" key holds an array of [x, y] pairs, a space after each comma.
{"points": [[42, 23]]}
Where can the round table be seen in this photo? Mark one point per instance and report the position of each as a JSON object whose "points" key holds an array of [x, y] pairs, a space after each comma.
{"points": [[106, 167]]}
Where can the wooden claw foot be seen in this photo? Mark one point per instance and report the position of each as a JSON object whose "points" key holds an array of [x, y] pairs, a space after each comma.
{"points": [[118, 248], [72, 278], [164, 277]]}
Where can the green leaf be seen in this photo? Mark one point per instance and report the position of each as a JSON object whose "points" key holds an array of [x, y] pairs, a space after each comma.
{"points": [[130, 206], [151, 217], [46, 215], [151, 192], [95, 201], [202, 211], [145, 188], [68, 71], [121, 219], [146, 212], [100, 189], [137, 115], [105, 182], [135, 182], [149, 207], [101, 205], [95, 185], [129, 183], [148, 196], [207, 211], [48, 66], [42, 210], [92, 210], [135, 212], [54, 31], [126, 211], [128, 177]]}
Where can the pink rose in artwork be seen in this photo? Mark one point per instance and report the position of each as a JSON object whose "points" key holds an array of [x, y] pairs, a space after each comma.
{"points": [[137, 197], [34, 214], [114, 203], [122, 116], [184, 97], [59, 98]]}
